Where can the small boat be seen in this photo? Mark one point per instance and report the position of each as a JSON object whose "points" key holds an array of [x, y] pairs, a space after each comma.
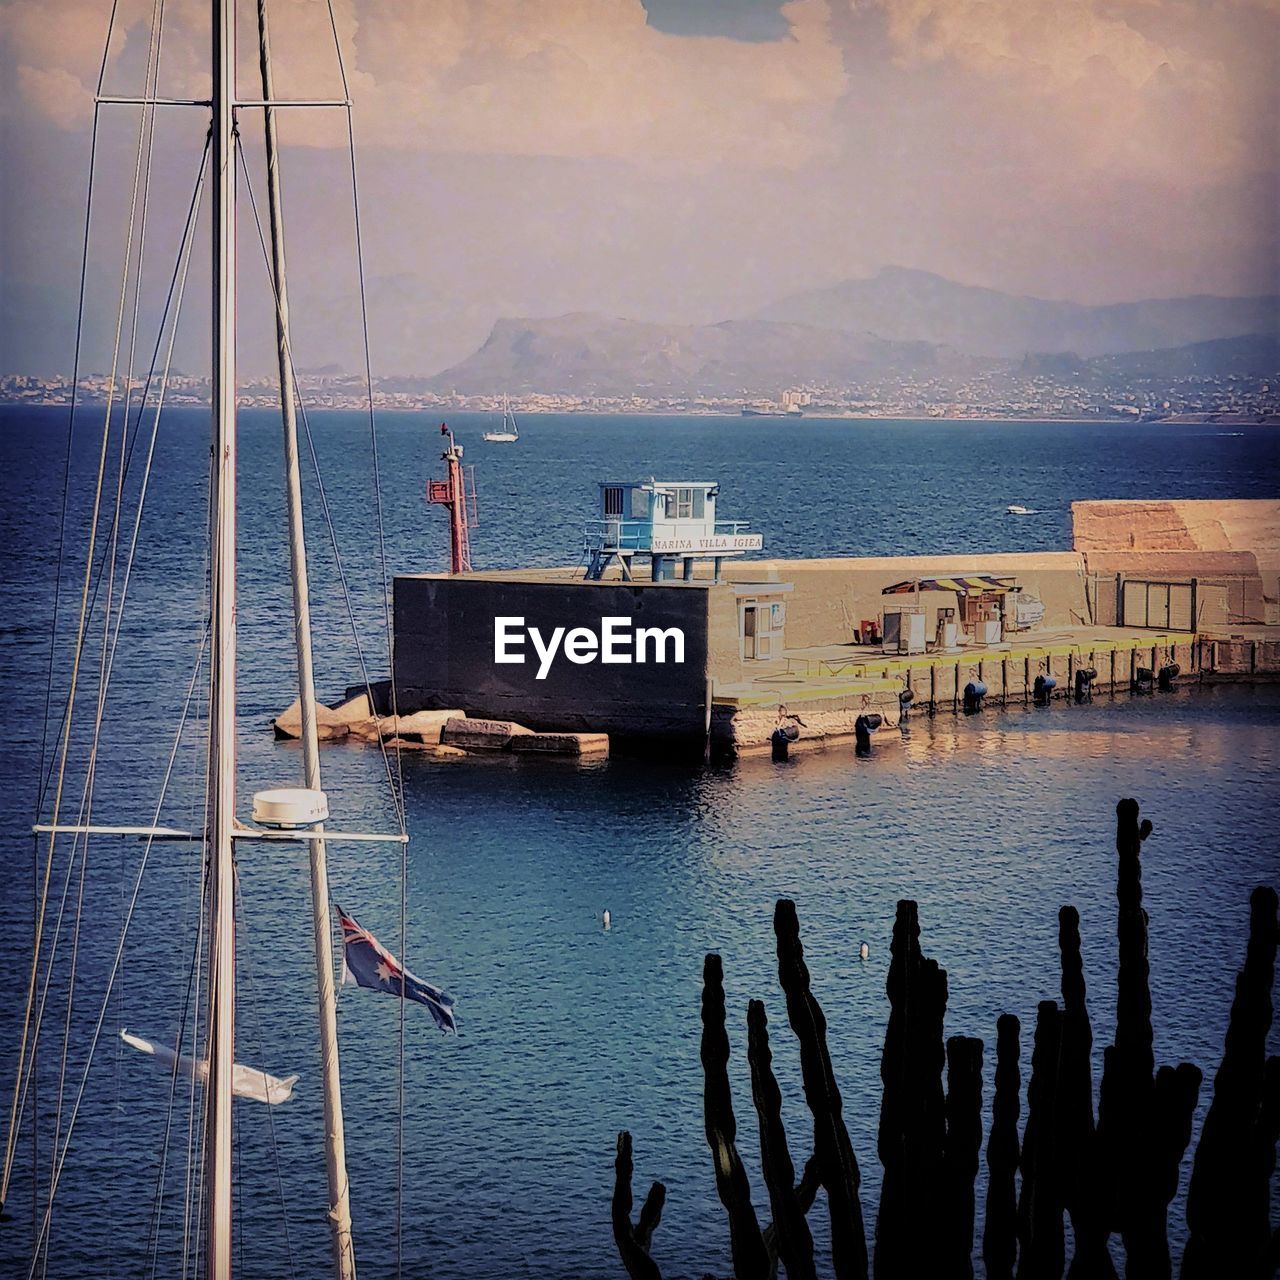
{"points": [[510, 432], [1015, 510]]}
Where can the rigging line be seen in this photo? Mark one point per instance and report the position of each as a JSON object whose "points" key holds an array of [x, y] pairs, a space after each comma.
{"points": [[174, 281], [337, 48], [181, 268], [146, 129], [37, 895], [396, 798], [373, 446], [36, 906], [247, 964], [391, 664], [59, 1157], [157, 1209], [192, 1209], [106, 47], [62, 768], [148, 122], [75, 387], [146, 392], [398, 785], [75, 671], [201, 716]]}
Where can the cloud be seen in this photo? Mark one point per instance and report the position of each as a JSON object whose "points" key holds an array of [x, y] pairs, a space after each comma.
{"points": [[559, 78], [1167, 89], [56, 94], [1048, 43]]}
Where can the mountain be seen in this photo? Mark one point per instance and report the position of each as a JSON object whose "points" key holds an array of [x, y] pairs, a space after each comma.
{"points": [[900, 304], [1254, 355], [900, 323], [590, 354]]}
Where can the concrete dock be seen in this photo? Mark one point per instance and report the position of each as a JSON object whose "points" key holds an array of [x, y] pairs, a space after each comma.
{"points": [[1146, 585]]}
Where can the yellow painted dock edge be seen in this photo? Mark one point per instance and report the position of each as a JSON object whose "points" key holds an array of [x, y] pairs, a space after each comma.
{"points": [[879, 675]]}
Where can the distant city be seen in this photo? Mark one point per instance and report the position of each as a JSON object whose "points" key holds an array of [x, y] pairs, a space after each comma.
{"points": [[1033, 394], [900, 344]]}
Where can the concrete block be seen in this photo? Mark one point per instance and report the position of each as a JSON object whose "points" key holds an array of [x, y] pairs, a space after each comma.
{"points": [[436, 750], [562, 744], [481, 735], [329, 725]]}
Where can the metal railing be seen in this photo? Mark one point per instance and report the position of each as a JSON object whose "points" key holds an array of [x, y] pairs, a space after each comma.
{"points": [[617, 534]]}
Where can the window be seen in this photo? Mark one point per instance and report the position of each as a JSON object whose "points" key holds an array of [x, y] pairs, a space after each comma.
{"points": [[639, 504], [685, 504], [612, 501]]}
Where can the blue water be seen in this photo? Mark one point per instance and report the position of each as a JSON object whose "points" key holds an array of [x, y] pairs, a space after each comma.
{"points": [[569, 1034]]}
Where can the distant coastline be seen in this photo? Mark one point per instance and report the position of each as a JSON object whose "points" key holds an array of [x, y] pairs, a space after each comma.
{"points": [[396, 404]]}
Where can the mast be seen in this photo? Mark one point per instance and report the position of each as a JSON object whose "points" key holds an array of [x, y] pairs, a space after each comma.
{"points": [[220, 1009], [344, 1260]]}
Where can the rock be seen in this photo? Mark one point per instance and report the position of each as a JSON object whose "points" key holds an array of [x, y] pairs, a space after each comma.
{"points": [[330, 726], [425, 726], [354, 710], [482, 735], [562, 744], [381, 695]]}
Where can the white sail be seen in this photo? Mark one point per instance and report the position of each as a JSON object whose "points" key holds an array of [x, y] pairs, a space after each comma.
{"points": [[246, 1082]]}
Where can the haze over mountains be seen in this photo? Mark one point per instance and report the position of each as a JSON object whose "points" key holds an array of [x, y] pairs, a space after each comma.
{"points": [[900, 321]]}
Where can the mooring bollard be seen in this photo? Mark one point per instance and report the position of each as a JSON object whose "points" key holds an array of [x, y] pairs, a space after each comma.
{"points": [[974, 692], [1085, 676], [863, 727]]}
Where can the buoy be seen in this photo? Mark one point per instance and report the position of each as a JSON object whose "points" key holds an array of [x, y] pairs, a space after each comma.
{"points": [[864, 952], [606, 917]]}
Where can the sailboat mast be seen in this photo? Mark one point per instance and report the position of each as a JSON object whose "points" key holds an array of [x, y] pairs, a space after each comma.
{"points": [[344, 1259], [220, 1011]]}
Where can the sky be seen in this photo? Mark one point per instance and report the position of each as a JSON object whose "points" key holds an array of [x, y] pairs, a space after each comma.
{"points": [[682, 161]]}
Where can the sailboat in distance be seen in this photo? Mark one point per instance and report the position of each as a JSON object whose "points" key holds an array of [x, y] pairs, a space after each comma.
{"points": [[510, 431]]}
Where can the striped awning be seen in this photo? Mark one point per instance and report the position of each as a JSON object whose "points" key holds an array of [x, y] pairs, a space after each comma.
{"points": [[968, 584]]}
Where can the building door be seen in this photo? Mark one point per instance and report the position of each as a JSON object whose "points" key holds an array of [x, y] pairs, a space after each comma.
{"points": [[1163, 606], [750, 630]]}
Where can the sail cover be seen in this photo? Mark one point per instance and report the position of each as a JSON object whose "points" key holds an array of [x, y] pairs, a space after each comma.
{"points": [[246, 1082], [968, 584]]}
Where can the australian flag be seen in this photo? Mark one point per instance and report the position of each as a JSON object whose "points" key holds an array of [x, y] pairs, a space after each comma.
{"points": [[367, 963]]}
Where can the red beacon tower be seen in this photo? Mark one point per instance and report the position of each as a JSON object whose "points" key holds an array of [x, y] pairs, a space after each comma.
{"points": [[457, 493]]}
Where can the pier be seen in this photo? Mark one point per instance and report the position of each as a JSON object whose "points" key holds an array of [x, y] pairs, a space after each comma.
{"points": [[1146, 587]]}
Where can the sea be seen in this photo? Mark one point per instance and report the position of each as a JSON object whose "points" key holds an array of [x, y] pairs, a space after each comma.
{"points": [[490, 1153]]}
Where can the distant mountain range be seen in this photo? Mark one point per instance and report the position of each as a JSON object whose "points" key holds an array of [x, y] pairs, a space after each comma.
{"points": [[899, 322], [899, 304]]}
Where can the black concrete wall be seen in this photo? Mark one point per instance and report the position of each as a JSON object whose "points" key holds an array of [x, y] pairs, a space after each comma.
{"points": [[444, 655]]}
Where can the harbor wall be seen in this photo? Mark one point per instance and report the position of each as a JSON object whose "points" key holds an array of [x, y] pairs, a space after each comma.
{"points": [[444, 654], [1176, 525], [1235, 541]]}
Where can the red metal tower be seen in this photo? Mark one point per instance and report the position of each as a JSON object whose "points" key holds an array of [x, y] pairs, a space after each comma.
{"points": [[457, 492]]}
